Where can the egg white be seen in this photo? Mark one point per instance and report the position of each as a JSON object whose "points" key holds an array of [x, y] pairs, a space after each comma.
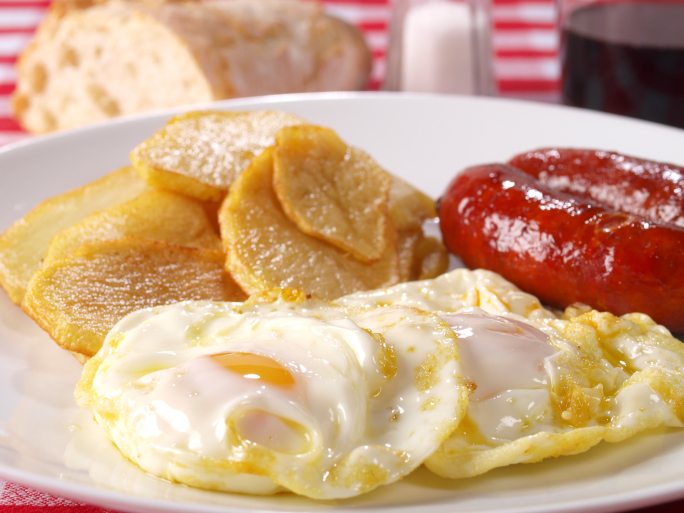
{"points": [[375, 392], [379, 387], [543, 383], [452, 291]]}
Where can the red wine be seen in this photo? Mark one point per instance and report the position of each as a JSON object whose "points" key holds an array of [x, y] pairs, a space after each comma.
{"points": [[626, 58]]}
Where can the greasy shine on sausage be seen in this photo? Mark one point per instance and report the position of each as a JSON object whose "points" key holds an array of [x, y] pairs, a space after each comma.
{"points": [[653, 190], [562, 249]]}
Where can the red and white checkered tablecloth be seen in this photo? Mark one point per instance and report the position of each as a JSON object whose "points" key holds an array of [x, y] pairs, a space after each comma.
{"points": [[15, 498], [526, 64], [18, 21], [525, 44]]}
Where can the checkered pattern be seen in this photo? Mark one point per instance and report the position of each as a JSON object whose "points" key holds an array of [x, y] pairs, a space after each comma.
{"points": [[525, 44], [19, 499]]}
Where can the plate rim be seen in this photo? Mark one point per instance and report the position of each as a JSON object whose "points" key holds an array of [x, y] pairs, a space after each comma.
{"points": [[105, 497]]}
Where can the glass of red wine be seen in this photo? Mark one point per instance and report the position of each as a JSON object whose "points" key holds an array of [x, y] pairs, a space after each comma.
{"points": [[624, 57]]}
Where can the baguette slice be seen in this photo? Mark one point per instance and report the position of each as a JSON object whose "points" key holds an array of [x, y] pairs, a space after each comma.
{"points": [[91, 61]]}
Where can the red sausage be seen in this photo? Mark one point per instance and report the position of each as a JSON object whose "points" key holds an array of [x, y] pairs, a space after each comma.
{"points": [[561, 249], [653, 190]]}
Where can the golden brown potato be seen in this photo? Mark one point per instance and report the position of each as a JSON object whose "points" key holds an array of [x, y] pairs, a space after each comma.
{"points": [[23, 245], [332, 191], [408, 207], [201, 153], [266, 250], [408, 241], [432, 259], [157, 214], [77, 300], [420, 257]]}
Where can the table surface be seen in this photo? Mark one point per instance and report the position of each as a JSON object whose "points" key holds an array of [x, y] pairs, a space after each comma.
{"points": [[526, 66], [525, 45]]}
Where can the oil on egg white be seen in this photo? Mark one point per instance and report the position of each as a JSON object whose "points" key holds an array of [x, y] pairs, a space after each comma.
{"points": [[544, 384], [326, 402]]}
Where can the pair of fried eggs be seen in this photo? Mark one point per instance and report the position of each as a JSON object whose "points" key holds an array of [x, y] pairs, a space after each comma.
{"points": [[463, 373]]}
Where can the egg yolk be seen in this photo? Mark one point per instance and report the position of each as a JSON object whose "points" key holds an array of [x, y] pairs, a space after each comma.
{"points": [[256, 367]]}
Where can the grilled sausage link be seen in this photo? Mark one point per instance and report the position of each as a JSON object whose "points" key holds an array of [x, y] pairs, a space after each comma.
{"points": [[653, 190], [562, 249]]}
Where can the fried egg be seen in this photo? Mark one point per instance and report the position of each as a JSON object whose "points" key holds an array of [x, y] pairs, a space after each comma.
{"points": [[322, 400], [543, 383], [454, 291]]}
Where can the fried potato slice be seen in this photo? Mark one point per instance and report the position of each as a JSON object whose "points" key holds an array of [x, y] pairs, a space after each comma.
{"points": [[77, 300], [201, 153], [332, 191], [420, 257], [266, 250], [157, 214], [407, 245], [432, 259], [24, 244], [409, 207]]}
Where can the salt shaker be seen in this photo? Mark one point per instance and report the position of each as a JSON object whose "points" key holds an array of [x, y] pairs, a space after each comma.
{"points": [[440, 46]]}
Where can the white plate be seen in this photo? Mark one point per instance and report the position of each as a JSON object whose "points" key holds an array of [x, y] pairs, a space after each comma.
{"points": [[48, 443]]}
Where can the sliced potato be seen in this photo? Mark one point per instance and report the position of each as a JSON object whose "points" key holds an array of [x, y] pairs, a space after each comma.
{"points": [[332, 191], [432, 259], [23, 245], [201, 153], [81, 358], [266, 250], [77, 300], [420, 257], [408, 241], [211, 208], [408, 207], [157, 215]]}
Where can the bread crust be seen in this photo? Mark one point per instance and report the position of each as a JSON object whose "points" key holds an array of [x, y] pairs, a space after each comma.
{"points": [[212, 51]]}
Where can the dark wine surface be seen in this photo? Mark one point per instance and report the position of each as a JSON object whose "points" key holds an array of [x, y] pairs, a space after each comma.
{"points": [[626, 58]]}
